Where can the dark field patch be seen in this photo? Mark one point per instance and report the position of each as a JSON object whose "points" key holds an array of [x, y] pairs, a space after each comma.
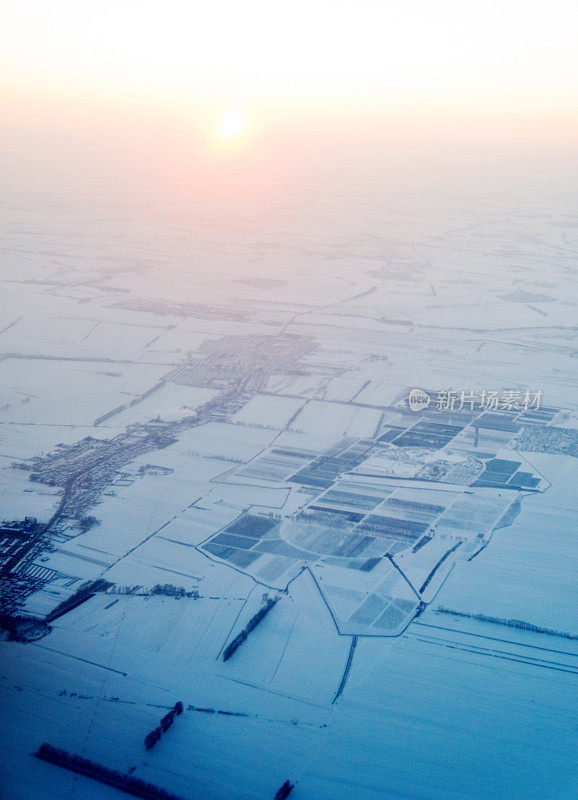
{"points": [[251, 525]]}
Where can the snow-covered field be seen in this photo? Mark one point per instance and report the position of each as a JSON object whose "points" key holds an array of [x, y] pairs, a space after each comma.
{"points": [[208, 412]]}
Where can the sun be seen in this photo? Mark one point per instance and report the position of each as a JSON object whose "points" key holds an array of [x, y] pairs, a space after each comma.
{"points": [[231, 126]]}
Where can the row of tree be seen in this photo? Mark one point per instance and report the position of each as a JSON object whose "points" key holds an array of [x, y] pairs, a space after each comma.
{"points": [[250, 626], [152, 738], [83, 766]]}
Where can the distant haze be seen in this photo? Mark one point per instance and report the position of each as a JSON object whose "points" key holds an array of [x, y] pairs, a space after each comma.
{"points": [[342, 97]]}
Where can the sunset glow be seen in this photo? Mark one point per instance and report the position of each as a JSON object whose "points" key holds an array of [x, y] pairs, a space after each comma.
{"points": [[231, 126], [240, 97]]}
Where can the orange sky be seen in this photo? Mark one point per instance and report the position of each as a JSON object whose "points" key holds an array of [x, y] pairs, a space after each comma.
{"points": [[327, 91]]}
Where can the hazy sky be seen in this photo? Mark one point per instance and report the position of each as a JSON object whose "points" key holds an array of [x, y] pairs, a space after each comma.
{"points": [[217, 92]]}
